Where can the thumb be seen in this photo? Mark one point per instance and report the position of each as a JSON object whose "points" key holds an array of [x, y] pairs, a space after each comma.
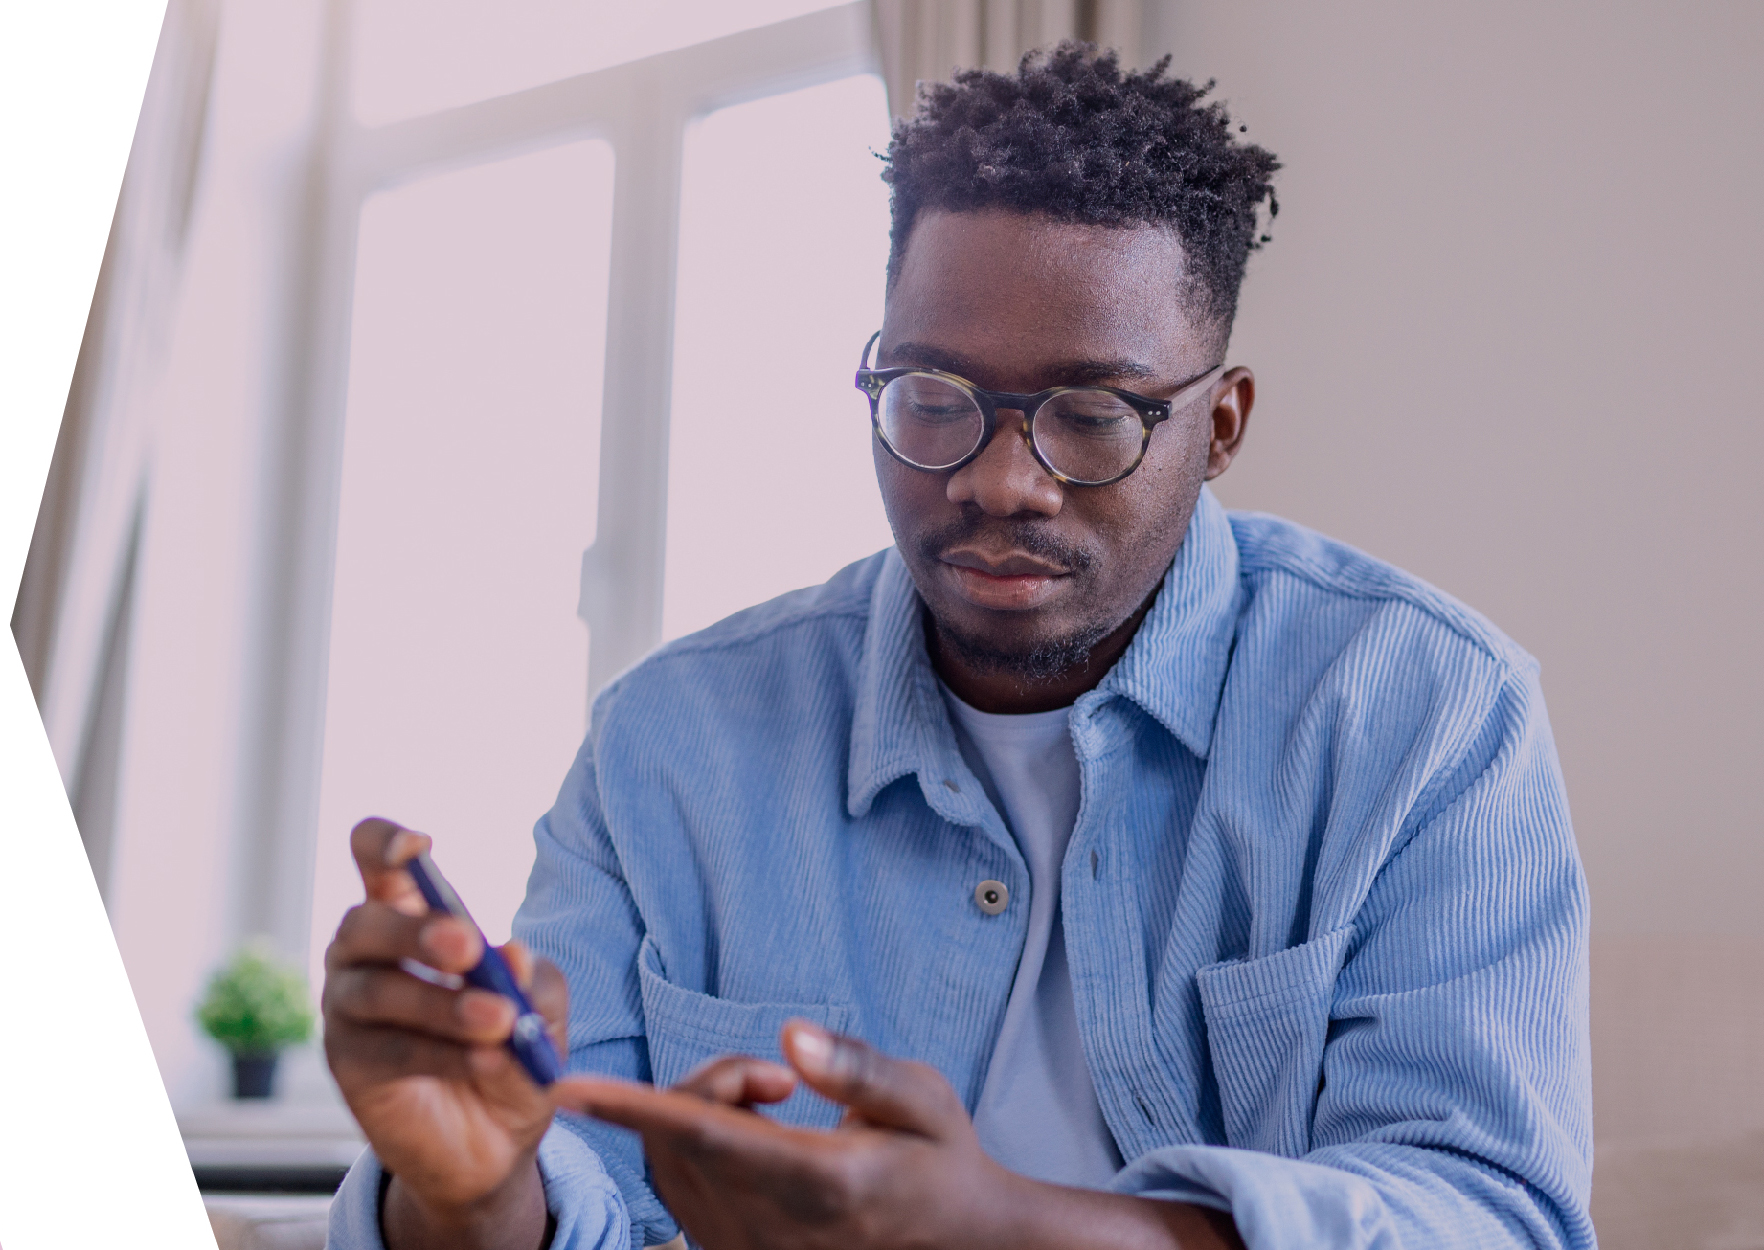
{"points": [[888, 1093]]}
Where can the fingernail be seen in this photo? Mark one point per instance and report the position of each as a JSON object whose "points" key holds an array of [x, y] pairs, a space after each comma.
{"points": [[434, 940], [402, 847], [446, 941], [520, 962], [812, 1049], [479, 1009]]}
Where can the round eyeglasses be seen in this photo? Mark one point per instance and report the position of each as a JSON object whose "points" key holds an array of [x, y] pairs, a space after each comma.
{"points": [[1082, 435]]}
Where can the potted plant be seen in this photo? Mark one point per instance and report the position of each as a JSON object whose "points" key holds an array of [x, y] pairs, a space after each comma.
{"points": [[255, 1007]]}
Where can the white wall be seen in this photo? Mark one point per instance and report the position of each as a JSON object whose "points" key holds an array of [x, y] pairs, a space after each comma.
{"points": [[1507, 337]]}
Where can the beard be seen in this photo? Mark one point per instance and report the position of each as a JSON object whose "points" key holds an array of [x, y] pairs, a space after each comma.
{"points": [[1036, 661], [1043, 660]]}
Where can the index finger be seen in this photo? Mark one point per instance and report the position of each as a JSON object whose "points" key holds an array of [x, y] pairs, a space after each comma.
{"points": [[738, 1081], [381, 849], [731, 1147], [669, 1113]]}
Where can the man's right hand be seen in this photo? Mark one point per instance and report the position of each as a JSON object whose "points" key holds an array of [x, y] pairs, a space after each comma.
{"points": [[449, 1111]]}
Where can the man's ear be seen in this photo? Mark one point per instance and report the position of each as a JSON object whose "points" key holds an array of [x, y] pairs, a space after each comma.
{"points": [[1231, 412]]}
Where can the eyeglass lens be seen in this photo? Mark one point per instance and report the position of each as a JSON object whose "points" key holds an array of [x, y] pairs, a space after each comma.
{"points": [[929, 422], [1089, 436], [1086, 435]]}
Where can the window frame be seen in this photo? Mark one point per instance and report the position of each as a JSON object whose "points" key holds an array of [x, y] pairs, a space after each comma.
{"points": [[642, 108]]}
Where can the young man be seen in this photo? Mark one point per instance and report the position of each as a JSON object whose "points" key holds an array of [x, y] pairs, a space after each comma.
{"points": [[1190, 880]]}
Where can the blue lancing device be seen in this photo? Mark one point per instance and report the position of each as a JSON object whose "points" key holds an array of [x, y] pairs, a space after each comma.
{"points": [[530, 1042]]}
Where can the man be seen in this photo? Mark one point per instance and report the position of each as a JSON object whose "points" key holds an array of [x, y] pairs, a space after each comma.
{"points": [[1190, 880]]}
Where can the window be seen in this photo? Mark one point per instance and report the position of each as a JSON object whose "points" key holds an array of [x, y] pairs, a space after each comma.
{"points": [[481, 503], [421, 56], [458, 667], [783, 248]]}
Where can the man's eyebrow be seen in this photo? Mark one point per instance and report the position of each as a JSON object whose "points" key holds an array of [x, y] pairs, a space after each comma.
{"points": [[924, 356], [1088, 372], [1081, 372]]}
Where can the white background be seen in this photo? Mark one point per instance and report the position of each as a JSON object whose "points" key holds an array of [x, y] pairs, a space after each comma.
{"points": [[89, 1152]]}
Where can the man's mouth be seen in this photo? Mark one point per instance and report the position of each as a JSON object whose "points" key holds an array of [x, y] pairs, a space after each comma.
{"points": [[1005, 581], [1010, 564]]}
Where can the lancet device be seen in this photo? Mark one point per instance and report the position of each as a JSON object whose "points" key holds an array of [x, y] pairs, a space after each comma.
{"points": [[530, 1042]]}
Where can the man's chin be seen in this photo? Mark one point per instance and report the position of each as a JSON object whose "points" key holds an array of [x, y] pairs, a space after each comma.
{"points": [[1027, 656]]}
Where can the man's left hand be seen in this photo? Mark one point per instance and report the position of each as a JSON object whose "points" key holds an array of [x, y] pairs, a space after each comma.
{"points": [[904, 1168]]}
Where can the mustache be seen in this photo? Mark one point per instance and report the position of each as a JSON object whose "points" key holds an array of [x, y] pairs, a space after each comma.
{"points": [[1029, 537]]}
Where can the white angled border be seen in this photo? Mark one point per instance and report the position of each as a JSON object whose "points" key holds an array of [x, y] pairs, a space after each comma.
{"points": [[89, 1151]]}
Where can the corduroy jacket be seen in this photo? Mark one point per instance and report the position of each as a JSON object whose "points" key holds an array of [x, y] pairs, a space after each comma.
{"points": [[1322, 906]]}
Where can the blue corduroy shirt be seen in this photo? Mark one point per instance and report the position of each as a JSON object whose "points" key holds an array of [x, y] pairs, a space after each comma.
{"points": [[1324, 915]]}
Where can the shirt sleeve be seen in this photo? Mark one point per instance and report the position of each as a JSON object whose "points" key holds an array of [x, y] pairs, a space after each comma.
{"points": [[1454, 1107], [582, 1198], [579, 913]]}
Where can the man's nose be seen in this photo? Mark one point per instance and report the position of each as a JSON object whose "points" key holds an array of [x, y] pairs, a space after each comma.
{"points": [[1005, 479]]}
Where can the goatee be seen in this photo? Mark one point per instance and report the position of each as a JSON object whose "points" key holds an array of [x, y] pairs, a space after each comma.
{"points": [[1046, 660]]}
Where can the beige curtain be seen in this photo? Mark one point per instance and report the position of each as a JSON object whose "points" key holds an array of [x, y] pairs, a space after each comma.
{"points": [[923, 40], [72, 615]]}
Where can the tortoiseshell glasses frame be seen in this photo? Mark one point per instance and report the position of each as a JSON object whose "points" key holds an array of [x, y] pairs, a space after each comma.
{"points": [[955, 419]]}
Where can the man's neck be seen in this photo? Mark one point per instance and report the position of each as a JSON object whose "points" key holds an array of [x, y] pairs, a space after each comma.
{"points": [[997, 689]]}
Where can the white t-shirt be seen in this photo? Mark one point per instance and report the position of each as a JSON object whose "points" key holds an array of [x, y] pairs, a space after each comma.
{"points": [[1038, 1113]]}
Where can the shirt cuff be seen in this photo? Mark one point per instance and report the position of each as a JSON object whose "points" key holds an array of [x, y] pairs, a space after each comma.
{"points": [[1276, 1203], [583, 1199]]}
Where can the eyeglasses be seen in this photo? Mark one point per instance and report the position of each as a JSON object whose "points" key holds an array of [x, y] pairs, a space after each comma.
{"points": [[1082, 435]]}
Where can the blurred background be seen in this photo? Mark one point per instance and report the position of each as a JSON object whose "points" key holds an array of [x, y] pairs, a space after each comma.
{"points": [[429, 380]]}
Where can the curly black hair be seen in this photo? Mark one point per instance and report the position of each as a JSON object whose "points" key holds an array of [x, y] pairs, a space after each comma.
{"points": [[1072, 137]]}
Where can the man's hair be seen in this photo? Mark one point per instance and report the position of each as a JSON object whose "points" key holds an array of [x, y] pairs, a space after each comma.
{"points": [[1071, 137]]}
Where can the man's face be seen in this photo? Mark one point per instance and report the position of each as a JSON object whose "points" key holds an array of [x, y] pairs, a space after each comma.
{"points": [[1023, 575]]}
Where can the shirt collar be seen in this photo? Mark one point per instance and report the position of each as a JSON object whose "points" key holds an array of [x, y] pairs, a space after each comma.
{"points": [[1174, 668]]}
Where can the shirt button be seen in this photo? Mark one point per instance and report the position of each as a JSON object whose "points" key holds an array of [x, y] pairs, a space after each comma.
{"points": [[992, 897]]}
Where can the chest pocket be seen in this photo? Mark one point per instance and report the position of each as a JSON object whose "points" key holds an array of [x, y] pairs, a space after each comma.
{"points": [[685, 1028], [1266, 1023]]}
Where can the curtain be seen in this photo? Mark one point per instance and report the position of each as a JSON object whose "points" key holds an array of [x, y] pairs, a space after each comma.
{"points": [[73, 609], [923, 40]]}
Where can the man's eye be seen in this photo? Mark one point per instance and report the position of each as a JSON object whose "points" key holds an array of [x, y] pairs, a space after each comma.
{"points": [[939, 413], [1094, 422]]}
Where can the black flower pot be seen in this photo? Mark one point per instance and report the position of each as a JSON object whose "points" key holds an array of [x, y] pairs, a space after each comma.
{"points": [[254, 1076]]}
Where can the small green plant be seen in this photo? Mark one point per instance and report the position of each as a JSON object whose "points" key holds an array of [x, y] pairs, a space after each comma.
{"points": [[255, 1005]]}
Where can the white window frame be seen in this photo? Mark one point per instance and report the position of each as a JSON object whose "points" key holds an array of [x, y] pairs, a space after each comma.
{"points": [[642, 108]]}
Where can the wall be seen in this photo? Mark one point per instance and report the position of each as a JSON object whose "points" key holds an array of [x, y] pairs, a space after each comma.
{"points": [[1506, 337]]}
